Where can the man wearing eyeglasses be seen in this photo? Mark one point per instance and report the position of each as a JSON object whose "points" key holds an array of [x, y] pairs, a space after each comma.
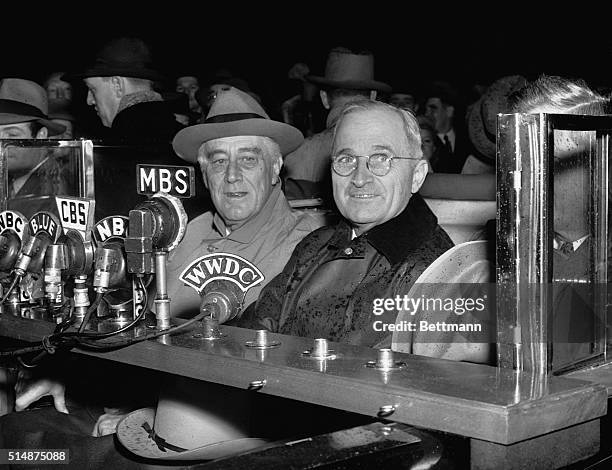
{"points": [[387, 238]]}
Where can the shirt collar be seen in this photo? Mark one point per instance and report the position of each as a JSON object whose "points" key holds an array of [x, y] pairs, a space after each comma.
{"points": [[562, 244], [246, 232], [450, 134], [397, 237]]}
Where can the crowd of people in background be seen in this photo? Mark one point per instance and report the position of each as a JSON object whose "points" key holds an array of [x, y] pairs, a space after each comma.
{"points": [[457, 124], [134, 100]]}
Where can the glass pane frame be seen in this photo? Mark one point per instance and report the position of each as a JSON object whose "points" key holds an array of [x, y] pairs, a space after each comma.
{"points": [[84, 162], [525, 214]]}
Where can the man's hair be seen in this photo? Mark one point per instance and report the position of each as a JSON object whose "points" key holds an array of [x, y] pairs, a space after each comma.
{"points": [[140, 83], [565, 95], [137, 83], [411, 126], [270, 148], [334, 93]]}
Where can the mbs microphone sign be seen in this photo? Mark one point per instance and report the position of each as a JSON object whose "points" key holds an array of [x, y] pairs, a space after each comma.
{"points": [[177, 181]]}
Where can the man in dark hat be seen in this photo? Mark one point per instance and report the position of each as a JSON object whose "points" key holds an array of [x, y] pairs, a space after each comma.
{"points": [[120, 87], [348, 77], [24, 115]]}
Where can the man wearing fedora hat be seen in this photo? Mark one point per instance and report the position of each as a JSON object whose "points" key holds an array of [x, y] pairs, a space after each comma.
{"points": [[239, 150], [348, 77], [24, 115], [121, 88]]}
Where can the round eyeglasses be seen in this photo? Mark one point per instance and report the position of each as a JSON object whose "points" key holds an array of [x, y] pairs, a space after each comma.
{"points": [[378, 163]]}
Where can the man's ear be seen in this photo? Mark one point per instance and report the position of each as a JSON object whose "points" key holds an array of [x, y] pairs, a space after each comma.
{"points": [[277, 164], [419, 174], [373, 94], [118, 86], [324, 99], [42, 133], [202, 166]]}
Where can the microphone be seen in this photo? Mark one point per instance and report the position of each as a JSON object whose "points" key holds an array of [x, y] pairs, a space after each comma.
{"points": [[156, 227], [222, 300], [110, 268], [44, 230], [13, 229], [222, 281], [72, 255]]}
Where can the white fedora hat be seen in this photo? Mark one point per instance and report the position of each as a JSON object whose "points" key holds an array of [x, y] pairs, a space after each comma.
{"points": [[194, 420], [456, 272]]}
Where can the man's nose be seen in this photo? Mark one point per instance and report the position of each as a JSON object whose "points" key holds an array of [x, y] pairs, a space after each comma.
{"points": [[361, 175], [233, 172], [90, 98]]}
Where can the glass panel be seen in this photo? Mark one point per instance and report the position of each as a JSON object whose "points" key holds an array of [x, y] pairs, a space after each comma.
{"points": [[577, 329], [38, 170], [552, 240]]}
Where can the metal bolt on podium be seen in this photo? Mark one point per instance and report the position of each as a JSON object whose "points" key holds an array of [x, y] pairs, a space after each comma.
{"points": [[262, 341], [320, 350], [385, 361], [210, 328]]}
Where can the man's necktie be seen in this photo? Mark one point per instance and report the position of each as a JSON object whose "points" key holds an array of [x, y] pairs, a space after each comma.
{"points": [[447, 144]]}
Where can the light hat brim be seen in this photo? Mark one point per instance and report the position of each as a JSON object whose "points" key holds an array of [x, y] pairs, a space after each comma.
{"points": [[135, 438], [187, 141], [350, 84], [464, 265]]}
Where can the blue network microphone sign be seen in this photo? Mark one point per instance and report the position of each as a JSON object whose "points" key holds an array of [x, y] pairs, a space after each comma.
{"points": [[175, 180]]}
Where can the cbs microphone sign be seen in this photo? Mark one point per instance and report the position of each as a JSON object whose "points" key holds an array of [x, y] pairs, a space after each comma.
{"points": [[75, 213], [177, 181]]}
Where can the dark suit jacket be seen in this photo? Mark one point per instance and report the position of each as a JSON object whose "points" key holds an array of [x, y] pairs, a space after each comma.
{"points": [[141, 133], [444, 162]]}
